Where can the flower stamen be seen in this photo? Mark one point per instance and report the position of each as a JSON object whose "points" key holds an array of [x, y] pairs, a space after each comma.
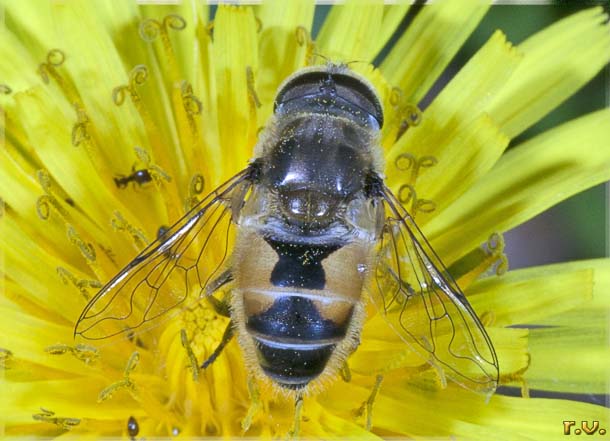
{"points": [[85, 353], [192, 104], [137, 77], [63, 422], [55, 58], [5, 90], [480, 260], [119, 223], [80, 130], [304, 39], [81, 284], [407, 193], [196, 187], [252, 95], [194, 365], [124, 383], [6, 358]]}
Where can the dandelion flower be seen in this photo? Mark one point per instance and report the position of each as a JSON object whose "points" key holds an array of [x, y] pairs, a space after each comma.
{"points": [[119, 117]]}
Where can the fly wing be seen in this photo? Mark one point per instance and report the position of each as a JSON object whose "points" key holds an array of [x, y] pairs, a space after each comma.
{"points": [[177, 266], [424, 305]]}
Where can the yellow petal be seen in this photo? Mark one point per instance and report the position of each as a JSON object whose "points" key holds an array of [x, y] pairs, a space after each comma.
{"points": [[283, 42], [346, 33], [231, 59], [463, 141], [573, 358], [526, 181], [430, 42], [530, 295], [558, 61]]}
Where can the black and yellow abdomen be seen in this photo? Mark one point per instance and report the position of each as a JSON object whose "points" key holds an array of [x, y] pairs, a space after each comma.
{"points": [[297, 301]]}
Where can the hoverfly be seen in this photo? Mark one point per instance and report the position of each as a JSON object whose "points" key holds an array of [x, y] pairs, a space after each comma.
{"points": [[301, 237]]}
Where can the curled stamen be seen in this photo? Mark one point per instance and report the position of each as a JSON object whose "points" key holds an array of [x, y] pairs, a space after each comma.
{"points": [[137, 77], [194, 365], [119, 223], [43, 207], [395, 96], [4, 89], [132, 363], [302, 35], [80, 131], [197, 184], [251, 89], [192, 104], [149, 29], [6, 358], [48, 417], [58, 349], [424, 206], [495, 246], [413, 115], [142, 155], [55, 58], [159, 174], [118, 95], [406, 193], [44, 204], [195, 187], [124, 383], [82, 284], [304, 39], [175, 22], [2, 208], [79, 134], [405, 161], [108, 392], [86, 249], [44, 179], [85, 353]]}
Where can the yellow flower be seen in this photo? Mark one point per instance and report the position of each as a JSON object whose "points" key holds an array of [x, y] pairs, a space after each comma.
{"points": [[90, 89]]}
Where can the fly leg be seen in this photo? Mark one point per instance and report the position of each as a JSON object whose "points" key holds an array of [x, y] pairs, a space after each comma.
{"points": [[220, 306], [298, 408], [367, 406], [255, 404], [226, 338]]}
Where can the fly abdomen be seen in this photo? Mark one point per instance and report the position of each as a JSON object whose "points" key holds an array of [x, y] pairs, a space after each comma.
{"points": [[297, 301], [292, 338]]}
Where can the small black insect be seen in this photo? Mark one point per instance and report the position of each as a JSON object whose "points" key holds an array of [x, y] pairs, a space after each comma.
{"points": [[139, 177], [132, 428]]}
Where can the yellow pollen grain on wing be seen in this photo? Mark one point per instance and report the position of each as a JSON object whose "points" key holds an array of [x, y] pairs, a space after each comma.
{"points": [[429, 44]]}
